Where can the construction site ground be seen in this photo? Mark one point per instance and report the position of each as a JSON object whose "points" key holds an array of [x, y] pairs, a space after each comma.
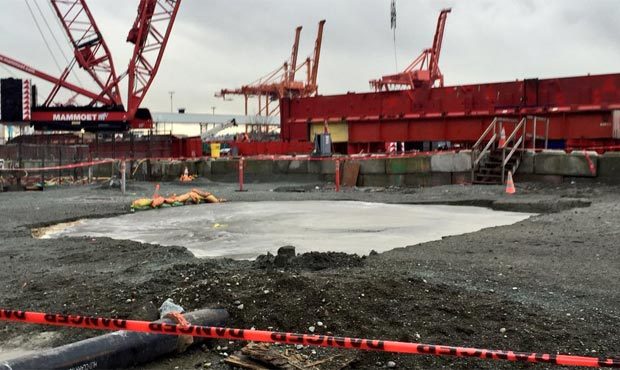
{"points": [[547, 284]]}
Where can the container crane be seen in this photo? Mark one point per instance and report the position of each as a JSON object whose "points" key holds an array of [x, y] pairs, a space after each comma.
{"points": [[281, 82], [105, 111], [423, 71]]}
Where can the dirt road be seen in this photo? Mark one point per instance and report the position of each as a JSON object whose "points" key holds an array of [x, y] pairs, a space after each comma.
{"points": [[546, 284]]}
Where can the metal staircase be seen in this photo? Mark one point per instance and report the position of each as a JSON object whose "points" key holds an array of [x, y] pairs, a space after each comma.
{"points": [[491, 163]]}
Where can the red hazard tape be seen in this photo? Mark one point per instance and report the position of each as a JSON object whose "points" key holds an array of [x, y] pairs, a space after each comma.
{"points": [[310, 340], [64, 167]]}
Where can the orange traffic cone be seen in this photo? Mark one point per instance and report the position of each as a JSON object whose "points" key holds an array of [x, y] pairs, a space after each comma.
{"points": [[510, 185], [502, 139]]}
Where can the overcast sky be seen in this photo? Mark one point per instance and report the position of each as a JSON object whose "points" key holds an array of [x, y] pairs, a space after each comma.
{"points": [[226, 43]]}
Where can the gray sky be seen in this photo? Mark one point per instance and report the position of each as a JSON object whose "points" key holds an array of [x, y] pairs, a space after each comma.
{"points": [[226, 43]]}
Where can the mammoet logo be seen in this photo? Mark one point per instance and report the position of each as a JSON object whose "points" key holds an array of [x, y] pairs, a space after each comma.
{"points": [[79, 116]]}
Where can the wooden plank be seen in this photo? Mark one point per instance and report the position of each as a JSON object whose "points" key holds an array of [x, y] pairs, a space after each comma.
{"points": [[350, 173]]}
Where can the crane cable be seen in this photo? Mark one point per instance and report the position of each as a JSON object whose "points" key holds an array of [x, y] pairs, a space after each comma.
{"points": [[8, 71], [43, 36], [77, 77]]}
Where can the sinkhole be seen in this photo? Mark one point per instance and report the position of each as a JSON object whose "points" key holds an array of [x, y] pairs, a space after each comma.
{"points": [[245, 230]]}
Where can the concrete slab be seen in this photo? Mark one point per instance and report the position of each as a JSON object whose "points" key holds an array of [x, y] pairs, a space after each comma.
{"points": [[281, 166], [298, 166], [372, 166], [461, 178], [314, 166], [451, 162], [560, 163], [418, 164], [527, 163], [328, 167], [225, 166], [373, 181], [609, 167], [258, 167], [203, 168], [428, 179]]}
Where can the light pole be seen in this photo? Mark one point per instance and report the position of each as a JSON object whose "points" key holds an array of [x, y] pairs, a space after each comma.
{"points": [[171, 95], [213, 110]]}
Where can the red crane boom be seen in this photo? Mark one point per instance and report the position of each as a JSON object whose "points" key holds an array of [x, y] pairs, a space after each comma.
{"points": [[149, 34], [424, 70], [90, 49]]}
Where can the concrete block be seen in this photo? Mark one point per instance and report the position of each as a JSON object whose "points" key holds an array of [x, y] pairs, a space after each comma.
{"points": [[298, 166], [461, 178], [225, 166], [560, 163], [416, 164], [373, 180], [328, 167], [609, 167], [372, 166], [451, 162], [527, 163], [314, 166], [281, 166], [462, 161], [203, 168], [428, 179], [258, 167]]}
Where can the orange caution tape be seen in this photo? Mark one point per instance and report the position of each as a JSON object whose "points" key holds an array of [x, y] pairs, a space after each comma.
{"points": [[304, 339]]}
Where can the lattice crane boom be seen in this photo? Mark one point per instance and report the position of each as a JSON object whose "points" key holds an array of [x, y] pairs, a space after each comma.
{"points": [[90, 49], [149, 34]]}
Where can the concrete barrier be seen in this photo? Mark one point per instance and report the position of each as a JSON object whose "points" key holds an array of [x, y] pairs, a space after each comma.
{"points": [[559, 163], [203, 168], [281, 166], [609, 167], [527, 163], [428, 179], [372, 166], [225, 166], [298, 166], [253, 167], [381, 180], [461, 178], [451, 162], [418, 164]]}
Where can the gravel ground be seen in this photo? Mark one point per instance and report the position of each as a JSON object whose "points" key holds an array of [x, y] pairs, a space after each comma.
{"points": [[546, 284]]}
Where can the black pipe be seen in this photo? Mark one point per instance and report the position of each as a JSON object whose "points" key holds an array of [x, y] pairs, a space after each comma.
{"points": [[115, 350]]}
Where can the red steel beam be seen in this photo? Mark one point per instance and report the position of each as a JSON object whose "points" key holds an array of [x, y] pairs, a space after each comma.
{"points": [[60, 82], [579, 107]]}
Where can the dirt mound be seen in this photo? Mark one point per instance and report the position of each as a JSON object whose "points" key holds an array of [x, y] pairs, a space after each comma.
{"points": [[311, 261]]}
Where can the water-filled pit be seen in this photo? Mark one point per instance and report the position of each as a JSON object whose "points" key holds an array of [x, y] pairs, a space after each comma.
{"points": [[244, 230]]}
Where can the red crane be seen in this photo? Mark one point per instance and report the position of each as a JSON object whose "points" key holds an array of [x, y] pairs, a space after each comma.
{"points": [[281, 82], [105, 111], [423, 71]]}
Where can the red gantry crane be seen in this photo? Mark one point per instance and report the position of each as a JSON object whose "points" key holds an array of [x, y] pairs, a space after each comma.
{"points": [[423, 71], [281, 82], [105, 110]]}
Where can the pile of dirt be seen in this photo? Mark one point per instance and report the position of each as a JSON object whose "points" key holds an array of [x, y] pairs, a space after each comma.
{"points": [[312, 261]]}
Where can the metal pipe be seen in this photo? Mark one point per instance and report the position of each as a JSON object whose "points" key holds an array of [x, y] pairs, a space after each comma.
{"points": [[116, 350]]}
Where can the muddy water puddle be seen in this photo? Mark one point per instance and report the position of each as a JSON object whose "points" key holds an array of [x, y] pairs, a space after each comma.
{"points": [[244, 230]]}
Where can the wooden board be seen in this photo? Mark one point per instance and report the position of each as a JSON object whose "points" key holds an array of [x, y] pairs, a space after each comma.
{"points": [[350, 173]]}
